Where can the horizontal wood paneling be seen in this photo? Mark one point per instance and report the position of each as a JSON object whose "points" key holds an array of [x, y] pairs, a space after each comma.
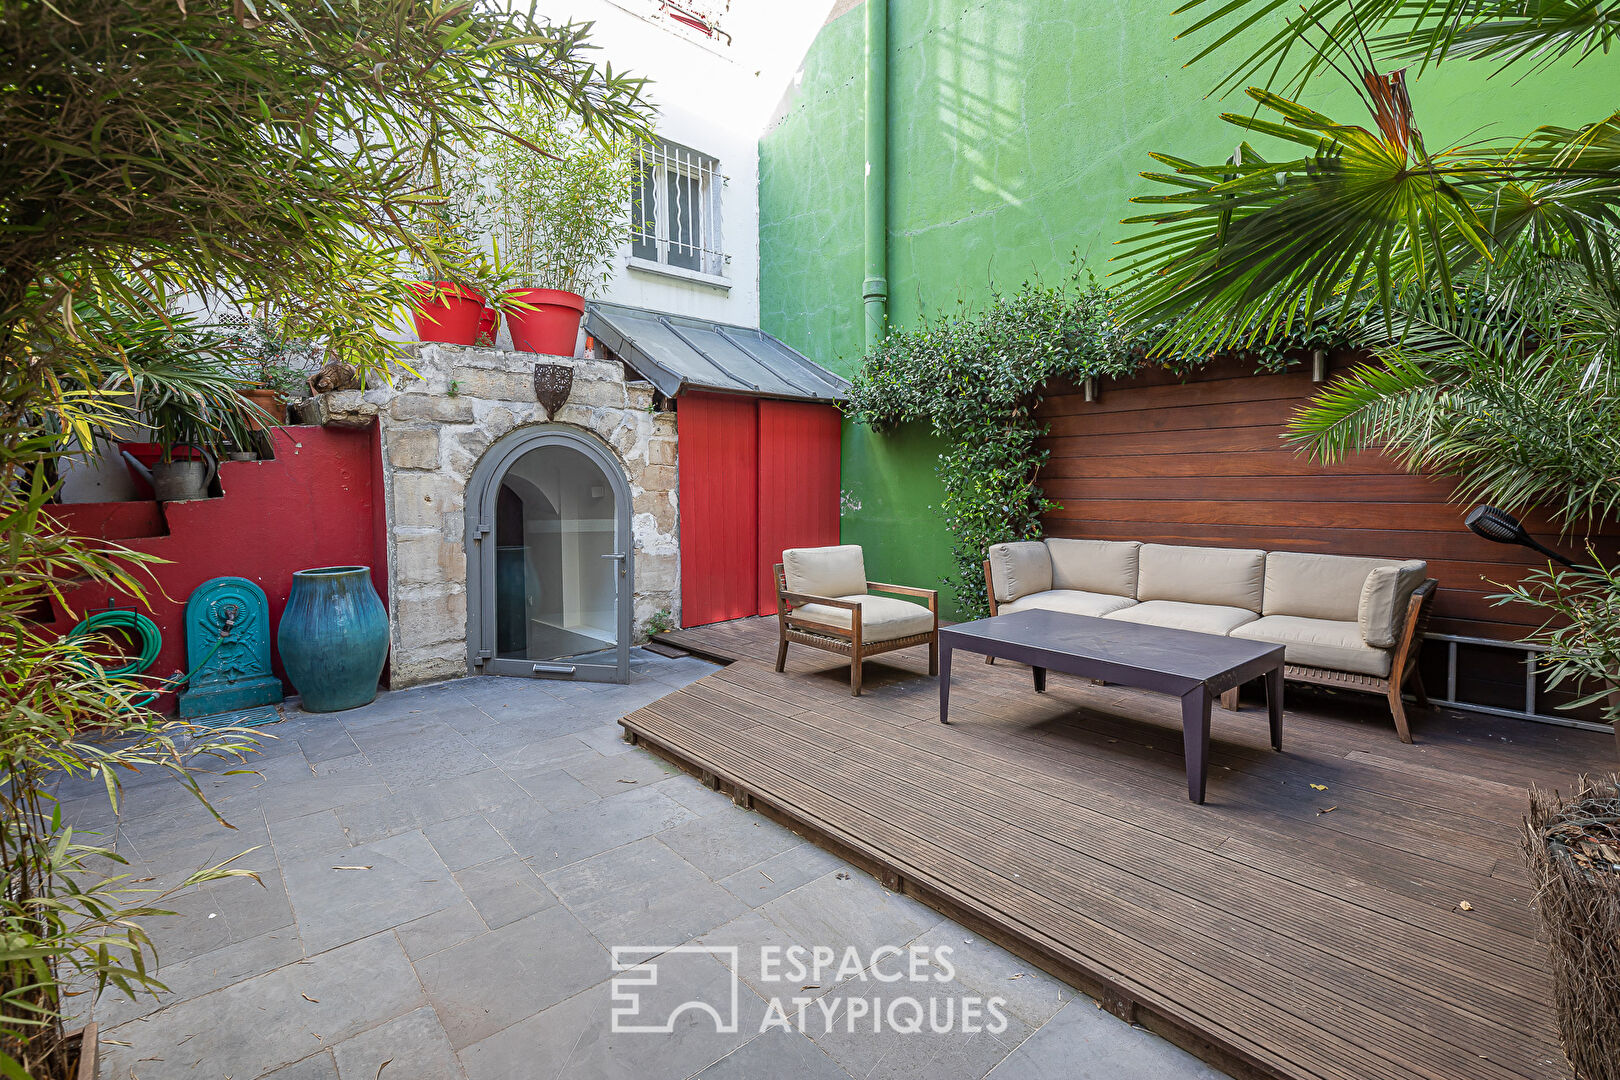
{"points": [[1204, 462]]}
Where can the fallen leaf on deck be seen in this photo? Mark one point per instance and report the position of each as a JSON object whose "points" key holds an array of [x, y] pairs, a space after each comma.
{"points": [[1466, 906], [1326, 810], [1319, 787], [306, 997]]}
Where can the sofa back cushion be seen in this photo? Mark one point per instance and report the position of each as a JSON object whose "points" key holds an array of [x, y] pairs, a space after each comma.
{"points": [[1317, 586], [1229, 577], [1019, 570], [825, 571], [1382, 612], [1095, 566]]}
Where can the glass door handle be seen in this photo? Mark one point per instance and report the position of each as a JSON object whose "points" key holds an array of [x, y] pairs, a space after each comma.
{"points": [[620, 556]]}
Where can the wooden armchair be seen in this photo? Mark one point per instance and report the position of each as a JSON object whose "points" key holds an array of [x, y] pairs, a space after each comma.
{"points": [[831, 606]]}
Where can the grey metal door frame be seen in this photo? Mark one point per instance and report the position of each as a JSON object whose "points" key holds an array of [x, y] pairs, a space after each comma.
{"points": [[482, 490]]}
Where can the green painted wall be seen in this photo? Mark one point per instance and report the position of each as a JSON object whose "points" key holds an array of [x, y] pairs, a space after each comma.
{"points": [[1017, 129]]}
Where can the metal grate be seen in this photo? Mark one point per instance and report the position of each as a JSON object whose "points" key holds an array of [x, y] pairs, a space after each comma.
{"points": [[1528, 656], [676, 217]]}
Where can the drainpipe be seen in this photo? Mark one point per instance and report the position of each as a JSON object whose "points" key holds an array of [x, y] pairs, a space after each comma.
{"points": [[875, 289]]}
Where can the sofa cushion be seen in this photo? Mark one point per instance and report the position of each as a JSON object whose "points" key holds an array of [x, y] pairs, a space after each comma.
{"points": [[883, 618], [1019, 569], [1324, 643], [1382, 612], [825, 571], [1225, 577], [1070, 600], [1095, 566], [1203, 618], [1316, 586]]}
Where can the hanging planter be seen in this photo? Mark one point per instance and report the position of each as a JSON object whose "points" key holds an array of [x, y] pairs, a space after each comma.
{"points": [[447, 312], [333, 637], [550, 322]]}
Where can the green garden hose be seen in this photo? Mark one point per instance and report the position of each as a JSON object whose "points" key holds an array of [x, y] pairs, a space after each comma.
{"points": [[151, 638]]}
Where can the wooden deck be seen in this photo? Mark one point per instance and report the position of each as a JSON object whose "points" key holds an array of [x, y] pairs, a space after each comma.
{"points": [[1305, 922]]}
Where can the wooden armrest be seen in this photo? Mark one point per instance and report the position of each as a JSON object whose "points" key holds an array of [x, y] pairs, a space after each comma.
{"points": [[931, 595], [807, 598]]}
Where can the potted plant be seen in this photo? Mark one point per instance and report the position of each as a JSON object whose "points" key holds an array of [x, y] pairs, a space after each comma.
{"points": [[459, 279], [181, 387], [274, 367], [556, 199]]}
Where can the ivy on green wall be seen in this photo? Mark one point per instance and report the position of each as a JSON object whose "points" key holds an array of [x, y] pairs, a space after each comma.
{"points": [[975, 379]]}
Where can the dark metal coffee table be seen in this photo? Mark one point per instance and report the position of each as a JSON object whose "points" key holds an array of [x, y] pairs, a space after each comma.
{"points": [[1197, 668]]}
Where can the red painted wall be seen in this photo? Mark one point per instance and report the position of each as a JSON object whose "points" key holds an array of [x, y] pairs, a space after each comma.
{"points": [[756, 476], [798, 484], [717, 453], [318, 503]]}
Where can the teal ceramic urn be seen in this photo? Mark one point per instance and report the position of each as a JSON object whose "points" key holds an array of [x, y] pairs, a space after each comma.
{"points": [[333, 637]]}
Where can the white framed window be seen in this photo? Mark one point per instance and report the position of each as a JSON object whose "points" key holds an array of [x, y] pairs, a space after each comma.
{"points": [[675, 219]]}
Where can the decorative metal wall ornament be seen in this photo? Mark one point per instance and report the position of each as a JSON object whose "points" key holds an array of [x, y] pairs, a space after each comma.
{"points": [[552, 383]]}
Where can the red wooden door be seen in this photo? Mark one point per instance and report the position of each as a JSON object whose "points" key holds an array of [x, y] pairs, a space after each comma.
{"points": [[717, 455], [798, 484]]}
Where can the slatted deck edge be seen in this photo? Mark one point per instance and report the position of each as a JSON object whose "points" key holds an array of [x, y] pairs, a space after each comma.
{"points": [[1134, 1004]]}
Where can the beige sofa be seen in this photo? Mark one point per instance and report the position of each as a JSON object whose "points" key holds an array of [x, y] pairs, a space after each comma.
{"points": [[1349, 622]]}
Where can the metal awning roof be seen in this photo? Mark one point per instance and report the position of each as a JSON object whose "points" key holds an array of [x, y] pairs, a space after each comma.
{"points": [[677, 352]]}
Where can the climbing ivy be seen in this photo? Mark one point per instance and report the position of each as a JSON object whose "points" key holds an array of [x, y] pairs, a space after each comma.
{"points": [[976, 377]]}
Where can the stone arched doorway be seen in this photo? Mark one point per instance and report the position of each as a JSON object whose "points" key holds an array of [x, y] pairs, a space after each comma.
{"points": [[550, 566]]}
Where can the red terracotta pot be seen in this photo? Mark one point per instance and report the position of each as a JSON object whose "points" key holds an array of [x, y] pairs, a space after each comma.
{"points": [[451, 318], [489, 324], [550, 326]]}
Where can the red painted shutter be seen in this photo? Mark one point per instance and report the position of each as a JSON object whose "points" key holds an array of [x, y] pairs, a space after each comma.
{"points": [[798, 484], [718, 448]]}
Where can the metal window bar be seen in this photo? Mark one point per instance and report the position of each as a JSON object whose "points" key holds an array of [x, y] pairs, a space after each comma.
{"points": [[1530, 695], [683, 225]]}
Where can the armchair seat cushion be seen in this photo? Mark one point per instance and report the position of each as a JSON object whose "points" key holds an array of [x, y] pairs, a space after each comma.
{"points": [[1321, 643], [1201, 618], [883, 618], [1072, 601]]}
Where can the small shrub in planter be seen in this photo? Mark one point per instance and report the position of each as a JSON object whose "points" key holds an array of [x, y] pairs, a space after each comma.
{"points": [[1573, 850], [556, 200]]}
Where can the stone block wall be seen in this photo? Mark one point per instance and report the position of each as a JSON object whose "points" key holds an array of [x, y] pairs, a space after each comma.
{"points": [[435, 426]]}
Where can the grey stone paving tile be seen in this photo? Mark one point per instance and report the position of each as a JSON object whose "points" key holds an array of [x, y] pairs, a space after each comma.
{"points": [[642, 894], [1032, 995], [299, 797], [200, 974], [190, 839], [725, 842], [574, 1039], [607, 740], [327, 742], [412, 1047], [617, 774], [316, 1067], [251, 907], [849, 912], [506, 975], [1083, 1042], [429, 803], [441, 930], [546, 751], [691, 793], [773, 1056], [553, 788], [751, 934], [504, 890], [466, 841], [555, 840], [765, 881], [407, 880], [311, 834], [878, 1042], [259, 1024]]}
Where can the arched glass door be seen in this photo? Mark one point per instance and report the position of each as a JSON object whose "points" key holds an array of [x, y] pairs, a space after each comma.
{"points": [[549, 559]]}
